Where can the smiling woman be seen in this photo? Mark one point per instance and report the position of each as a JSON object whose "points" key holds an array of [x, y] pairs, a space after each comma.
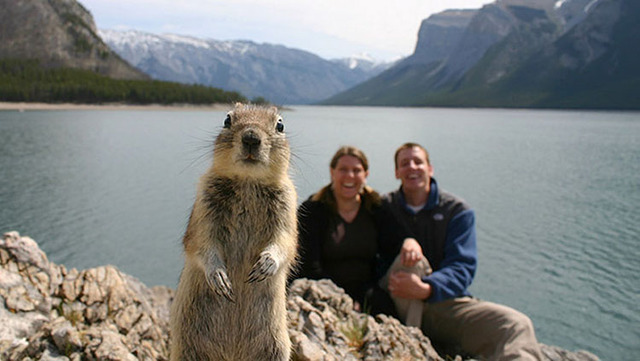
{"points": [[348, 177], [340, 232]]}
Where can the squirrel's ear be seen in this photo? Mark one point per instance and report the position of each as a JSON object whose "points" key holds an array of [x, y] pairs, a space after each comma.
{"points": [[238, 105]]}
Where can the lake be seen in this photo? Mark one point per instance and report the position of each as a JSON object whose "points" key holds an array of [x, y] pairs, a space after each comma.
{"points": [[556, 196]]}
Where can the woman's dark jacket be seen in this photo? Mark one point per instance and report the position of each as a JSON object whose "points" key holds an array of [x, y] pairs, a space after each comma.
{"points": [[314, 218]]}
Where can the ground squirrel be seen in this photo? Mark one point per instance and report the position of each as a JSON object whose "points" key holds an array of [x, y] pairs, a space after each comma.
{"points": [[239, 246]]}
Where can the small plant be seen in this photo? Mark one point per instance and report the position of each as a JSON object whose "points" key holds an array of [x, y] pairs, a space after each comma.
{"points": [[68, 349], [355, 330], [73, 316], [60, 309]]}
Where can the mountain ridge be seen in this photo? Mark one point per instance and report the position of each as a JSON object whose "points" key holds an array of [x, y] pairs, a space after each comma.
{"points": [[515, 53], [58, 33], [277, 73], [509, 53]]}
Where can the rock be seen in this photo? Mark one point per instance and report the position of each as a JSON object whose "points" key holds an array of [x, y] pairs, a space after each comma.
{"points": [[553, 353], [322, 313], [50, 313], [65, 336], [25, 251], [304, 349], [48, 355]]}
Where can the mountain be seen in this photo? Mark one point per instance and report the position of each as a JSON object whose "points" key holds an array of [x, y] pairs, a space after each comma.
{"points": [[363, 63], [58, 33], [279, 74], [437, 38], [593, 65], [439, 34], [517, 53]]}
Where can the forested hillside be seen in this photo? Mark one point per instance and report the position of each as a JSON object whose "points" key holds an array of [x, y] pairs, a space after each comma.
{"points": [[28, 81]]}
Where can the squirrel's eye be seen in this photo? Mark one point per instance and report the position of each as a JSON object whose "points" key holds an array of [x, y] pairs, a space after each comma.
{"points": [[227, 121], [280, 126]]}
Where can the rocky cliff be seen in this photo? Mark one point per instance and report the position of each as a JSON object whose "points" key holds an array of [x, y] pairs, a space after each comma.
{"points": [[517, 53], [58, 33], [48, 312], [438, 36]]}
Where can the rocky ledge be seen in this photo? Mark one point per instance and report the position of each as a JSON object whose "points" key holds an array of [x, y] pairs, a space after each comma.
{"points": [[48, 312]]}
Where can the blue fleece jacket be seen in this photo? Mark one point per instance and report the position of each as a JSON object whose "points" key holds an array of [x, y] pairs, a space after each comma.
{"points": [[445, 229]]}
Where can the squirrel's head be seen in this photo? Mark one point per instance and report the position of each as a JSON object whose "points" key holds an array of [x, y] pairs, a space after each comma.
{"points": [[251, 144]]}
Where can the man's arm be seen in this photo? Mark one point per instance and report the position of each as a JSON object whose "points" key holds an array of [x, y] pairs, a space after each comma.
{"points": [[458, 267]]}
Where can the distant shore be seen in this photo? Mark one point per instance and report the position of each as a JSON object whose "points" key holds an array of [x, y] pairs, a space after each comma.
{"points": [[22, 106]]}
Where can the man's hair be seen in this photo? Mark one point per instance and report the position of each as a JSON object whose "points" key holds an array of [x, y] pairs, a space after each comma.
{"points": [[410, 145]]}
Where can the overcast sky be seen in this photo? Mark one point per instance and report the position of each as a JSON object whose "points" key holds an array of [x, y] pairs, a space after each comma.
{"points": [[384, 29]]}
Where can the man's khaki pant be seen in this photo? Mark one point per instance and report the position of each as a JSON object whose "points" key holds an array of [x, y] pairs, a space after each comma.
{"points": [[483, 329]]}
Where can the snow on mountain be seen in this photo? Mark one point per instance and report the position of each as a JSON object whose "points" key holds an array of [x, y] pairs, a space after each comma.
{"points": [[279, 74]]}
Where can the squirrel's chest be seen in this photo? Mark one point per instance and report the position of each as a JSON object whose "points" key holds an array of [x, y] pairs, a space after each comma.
{"points": [[244, 210]]}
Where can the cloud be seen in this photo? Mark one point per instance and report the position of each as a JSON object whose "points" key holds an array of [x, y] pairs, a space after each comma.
{"points": [[328, 28]]}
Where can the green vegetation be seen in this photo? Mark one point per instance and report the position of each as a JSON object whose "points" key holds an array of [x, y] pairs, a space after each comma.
{"points": [[355, 329], [74, 316], [28, 81], [260, 101]]}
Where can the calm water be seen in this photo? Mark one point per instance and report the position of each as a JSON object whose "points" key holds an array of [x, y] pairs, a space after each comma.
{"points": [[556, 196]]}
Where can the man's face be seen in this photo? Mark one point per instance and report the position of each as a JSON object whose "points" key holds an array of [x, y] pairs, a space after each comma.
{"points": [[413, 170]]}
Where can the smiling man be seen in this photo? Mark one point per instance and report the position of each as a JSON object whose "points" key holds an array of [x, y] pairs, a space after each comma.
{"points": [[441, 236]]}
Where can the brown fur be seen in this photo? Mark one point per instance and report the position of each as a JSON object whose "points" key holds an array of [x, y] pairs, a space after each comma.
{"points": [[239, 246]]}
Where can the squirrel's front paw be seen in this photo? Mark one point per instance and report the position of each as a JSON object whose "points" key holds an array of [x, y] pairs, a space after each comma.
{"points": [[219, 282], [265, 266]]}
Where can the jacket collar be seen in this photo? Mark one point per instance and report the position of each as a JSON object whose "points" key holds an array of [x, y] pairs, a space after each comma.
{"points": [[432, 199]]}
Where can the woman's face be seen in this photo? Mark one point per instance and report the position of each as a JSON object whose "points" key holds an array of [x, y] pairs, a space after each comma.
{"points": [[348, 177]]}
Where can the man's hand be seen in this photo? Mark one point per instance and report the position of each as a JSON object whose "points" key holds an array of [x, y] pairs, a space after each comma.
{"points": [[411, 252], [408, 285]]}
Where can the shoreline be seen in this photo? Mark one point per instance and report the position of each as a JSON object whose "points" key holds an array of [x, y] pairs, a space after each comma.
{"points": [[23, 106]]}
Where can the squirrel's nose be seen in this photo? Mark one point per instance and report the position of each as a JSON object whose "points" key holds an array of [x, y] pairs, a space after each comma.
{"points": [[250, 138]]}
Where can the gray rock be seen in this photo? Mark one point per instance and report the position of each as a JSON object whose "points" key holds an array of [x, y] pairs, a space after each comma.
{"points": [[65, 336], [50, 313], [49, 355], [554, 353]]}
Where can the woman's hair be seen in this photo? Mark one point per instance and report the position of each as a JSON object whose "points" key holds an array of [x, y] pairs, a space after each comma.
{"points": [[352, 151], [369, 196]]}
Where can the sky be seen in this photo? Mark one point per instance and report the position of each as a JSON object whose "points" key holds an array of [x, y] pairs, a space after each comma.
{"points": [[384, 29]]}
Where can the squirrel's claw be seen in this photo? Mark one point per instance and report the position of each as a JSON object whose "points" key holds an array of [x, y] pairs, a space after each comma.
{"points": [[219, 282], [265, 266]]}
